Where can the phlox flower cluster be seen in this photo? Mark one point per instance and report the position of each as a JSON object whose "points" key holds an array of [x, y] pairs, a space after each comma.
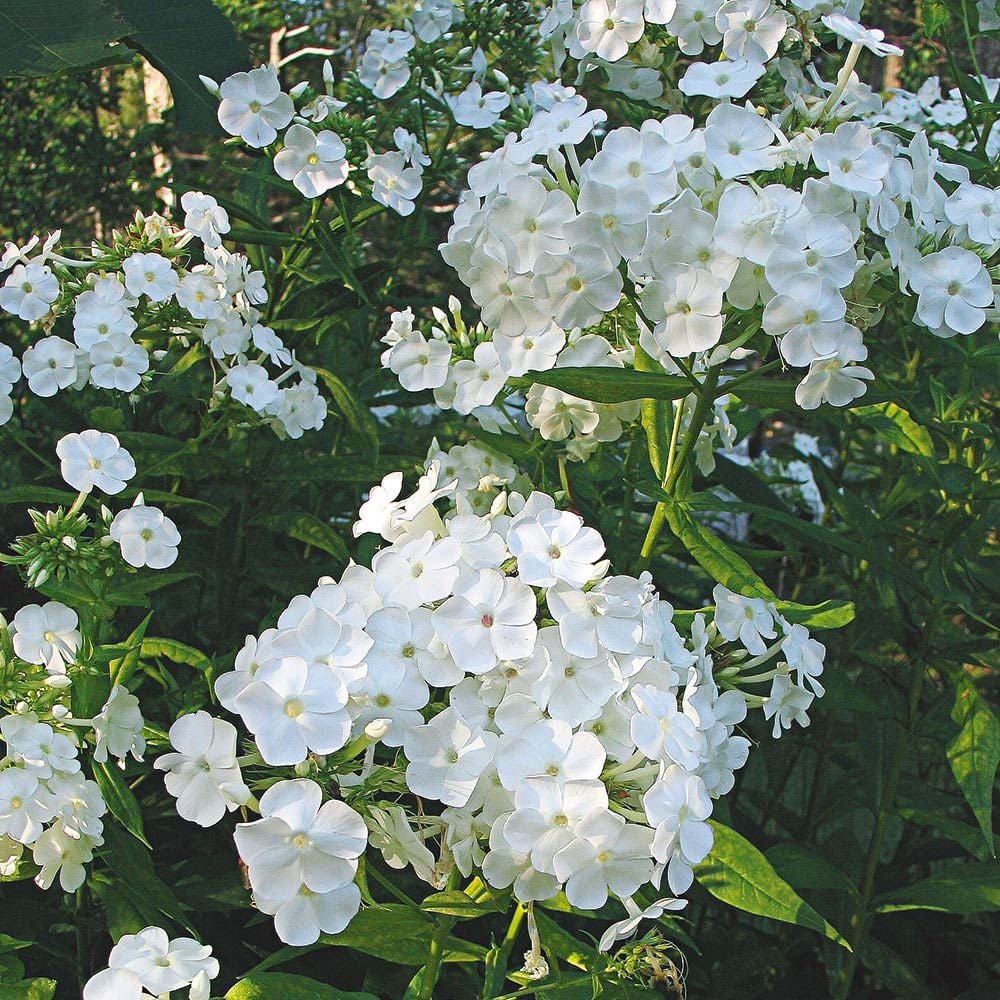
{"points": [[487, 697], [128, 312], [697, 235]]}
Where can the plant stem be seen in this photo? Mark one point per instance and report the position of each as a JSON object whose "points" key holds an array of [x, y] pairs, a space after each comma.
{"points": [[435, 957], [675, 466]]}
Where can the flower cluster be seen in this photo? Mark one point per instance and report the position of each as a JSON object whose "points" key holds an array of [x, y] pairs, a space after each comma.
{"points": [[701, 242], [559, 730], [131, 309]]}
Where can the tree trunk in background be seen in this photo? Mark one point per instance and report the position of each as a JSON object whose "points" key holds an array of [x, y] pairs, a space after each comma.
{"points": [[156, 91]]}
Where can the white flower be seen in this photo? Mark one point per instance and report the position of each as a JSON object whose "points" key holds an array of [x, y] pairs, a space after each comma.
{"points": [[389, 831], [869, 38], [292, 708], [549, 747], [954, 290], [94, 459], [203, 774], [313, 162], [409, 145], [553, 545], [383, 67], [200, 293], [251, 385], [25, 805], [118, 727], [752, 29], [254, 107], [747, 618], [417, 571], [606, 854], [432, 18], [832, 380], [805, 657], [150, 274], [446, 758], [10, 369], [492, 619], [146, 536], [608, 617], [29, 291], [204, 217], [738, 141], [63, 852], [975, 207], [475, 109], [49, 365], [573, 688], [852, 159], [301, 840], [608, 27], [729, 78], [477, 380], [547, 814], [787, 704], [161, 964], [419, 363], [677, 806], [394, 184], [46, 635], [38, 747], [301, 919], [687, 308], [693, 25], [118, 363], [114, 984], [661, 731], [623, 928]]}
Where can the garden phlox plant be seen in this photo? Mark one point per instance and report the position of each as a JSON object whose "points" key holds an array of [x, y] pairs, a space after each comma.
{"points": [[489, 700]]}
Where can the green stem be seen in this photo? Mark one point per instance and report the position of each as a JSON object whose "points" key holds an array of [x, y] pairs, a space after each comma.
{"points": [[435, 957], [675, 466]]}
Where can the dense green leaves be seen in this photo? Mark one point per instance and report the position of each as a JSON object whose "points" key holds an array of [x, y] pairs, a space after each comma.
{"points": [[973, 887], [738, 874], [30, 989]]}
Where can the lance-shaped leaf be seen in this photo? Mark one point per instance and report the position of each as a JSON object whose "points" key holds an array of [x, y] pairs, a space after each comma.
{"points": [[610, 385]]}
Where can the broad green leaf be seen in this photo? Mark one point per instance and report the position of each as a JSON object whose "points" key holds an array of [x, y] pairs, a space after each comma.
{"points": [[358, 417], [284, 986], [738, 874], [805, 869], [30, 989], [713, 555], [182, 39], [455, 903], [896, 425], [975, 754], [44, 37], [263, 237], [969, 836], [36, 495], [308, 528], [131, 868], [399, 934], [9, 944], [972, 887], [829, 614], [610, 385], [176, 652], [656, 416], [120, 800]]}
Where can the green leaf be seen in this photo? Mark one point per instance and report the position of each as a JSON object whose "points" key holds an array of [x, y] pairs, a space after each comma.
{"points": [[896, 425], [891, 971], [610, 385], [176, 652], [972, 887], [455, 903], [308, 528], [805, 869], [400, 934], [738, 874], [44, 37], [262, 237], [9, 944], [284, 986], [182, 39], [711, 553], [358, 417], [829, 614], [30, 989], [35, 495], [120, 800], [975, 754]]}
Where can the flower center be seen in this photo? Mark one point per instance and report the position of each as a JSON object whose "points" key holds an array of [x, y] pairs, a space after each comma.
{"points": [[146, 534], [487, 620], [312, 159], [254, 106], [293, 708], [300, 840]]}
